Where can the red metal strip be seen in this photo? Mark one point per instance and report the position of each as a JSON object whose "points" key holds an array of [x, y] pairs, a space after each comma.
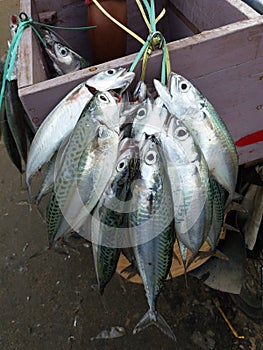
{"points": [[250, 139]]}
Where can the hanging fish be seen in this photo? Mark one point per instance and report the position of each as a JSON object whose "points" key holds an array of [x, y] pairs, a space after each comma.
{"points": [[18, 131], [48, 183], [109, 219], [83, 171], [63, 59], [16, 118], [151, 230], [9, 141], [62, 119], [190, 184], [184, 101]]}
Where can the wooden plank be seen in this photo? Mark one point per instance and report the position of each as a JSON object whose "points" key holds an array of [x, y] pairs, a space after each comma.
{"points": [[232, 93], [25, 53], [31, 64], [177, 267], [207, 14], [218, 49]]}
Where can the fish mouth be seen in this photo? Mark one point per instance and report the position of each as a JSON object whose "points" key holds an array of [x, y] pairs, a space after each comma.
{"points": [[116, 95], [173, 77], [49, 45], [128, 78]]}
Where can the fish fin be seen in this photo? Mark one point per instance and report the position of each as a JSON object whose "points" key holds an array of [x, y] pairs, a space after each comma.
{"points": [[39, 253], [162, 90], [153, 318], [237, 197], [235, 206], [191, 260], [41, 214], [231, 228]]}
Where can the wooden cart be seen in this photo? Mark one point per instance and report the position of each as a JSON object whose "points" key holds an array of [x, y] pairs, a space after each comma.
{"points": [[218, 45]]}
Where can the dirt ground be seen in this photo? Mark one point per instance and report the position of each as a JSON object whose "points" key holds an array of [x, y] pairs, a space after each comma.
{"points": [[48, 300]]}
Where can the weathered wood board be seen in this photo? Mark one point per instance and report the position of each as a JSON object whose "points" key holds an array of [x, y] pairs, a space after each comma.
{"points": [[177, 267], [224, 60]]}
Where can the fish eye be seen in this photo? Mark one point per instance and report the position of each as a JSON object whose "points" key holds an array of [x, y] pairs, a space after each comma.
{"points": [[111, 72], [184, 86], [181, 133], [63, 51], [122, 164], [150, 157], [141, 113], [103, 98]]}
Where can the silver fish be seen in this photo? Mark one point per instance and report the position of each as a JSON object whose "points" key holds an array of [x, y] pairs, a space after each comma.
{"points": [[190, 184], [63, 58], [62, 119], [152, 230], [131, 104], [48, 183], [189, 105], [83, 171], [9, 140], [109, 219]]}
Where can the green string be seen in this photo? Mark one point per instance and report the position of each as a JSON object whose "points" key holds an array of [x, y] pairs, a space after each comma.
{"points": [[140, 53], [11, 56], [150, 8], [63, 28], [24, 22], [152, 17]]}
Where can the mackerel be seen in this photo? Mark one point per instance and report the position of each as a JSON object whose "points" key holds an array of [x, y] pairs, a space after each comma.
{"points": [[62, 119], [185, 102], [152, 230]]}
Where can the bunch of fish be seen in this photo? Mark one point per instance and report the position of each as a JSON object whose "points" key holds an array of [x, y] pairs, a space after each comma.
{"points": [[133, 174], [16, 129]]}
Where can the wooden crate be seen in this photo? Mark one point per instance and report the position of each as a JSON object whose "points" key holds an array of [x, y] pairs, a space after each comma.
{"points": [[216, 44]]}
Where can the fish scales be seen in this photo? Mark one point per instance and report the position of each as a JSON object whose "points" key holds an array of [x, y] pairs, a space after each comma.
{"points": [[16, 117], [86, 167], [155, 225], [190, 184], [111, 216], [218, 215], [66, 114], [9, 141], [189, 105]]}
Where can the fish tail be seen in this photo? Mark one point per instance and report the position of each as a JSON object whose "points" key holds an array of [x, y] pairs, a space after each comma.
{"points": [[153, 318]]}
